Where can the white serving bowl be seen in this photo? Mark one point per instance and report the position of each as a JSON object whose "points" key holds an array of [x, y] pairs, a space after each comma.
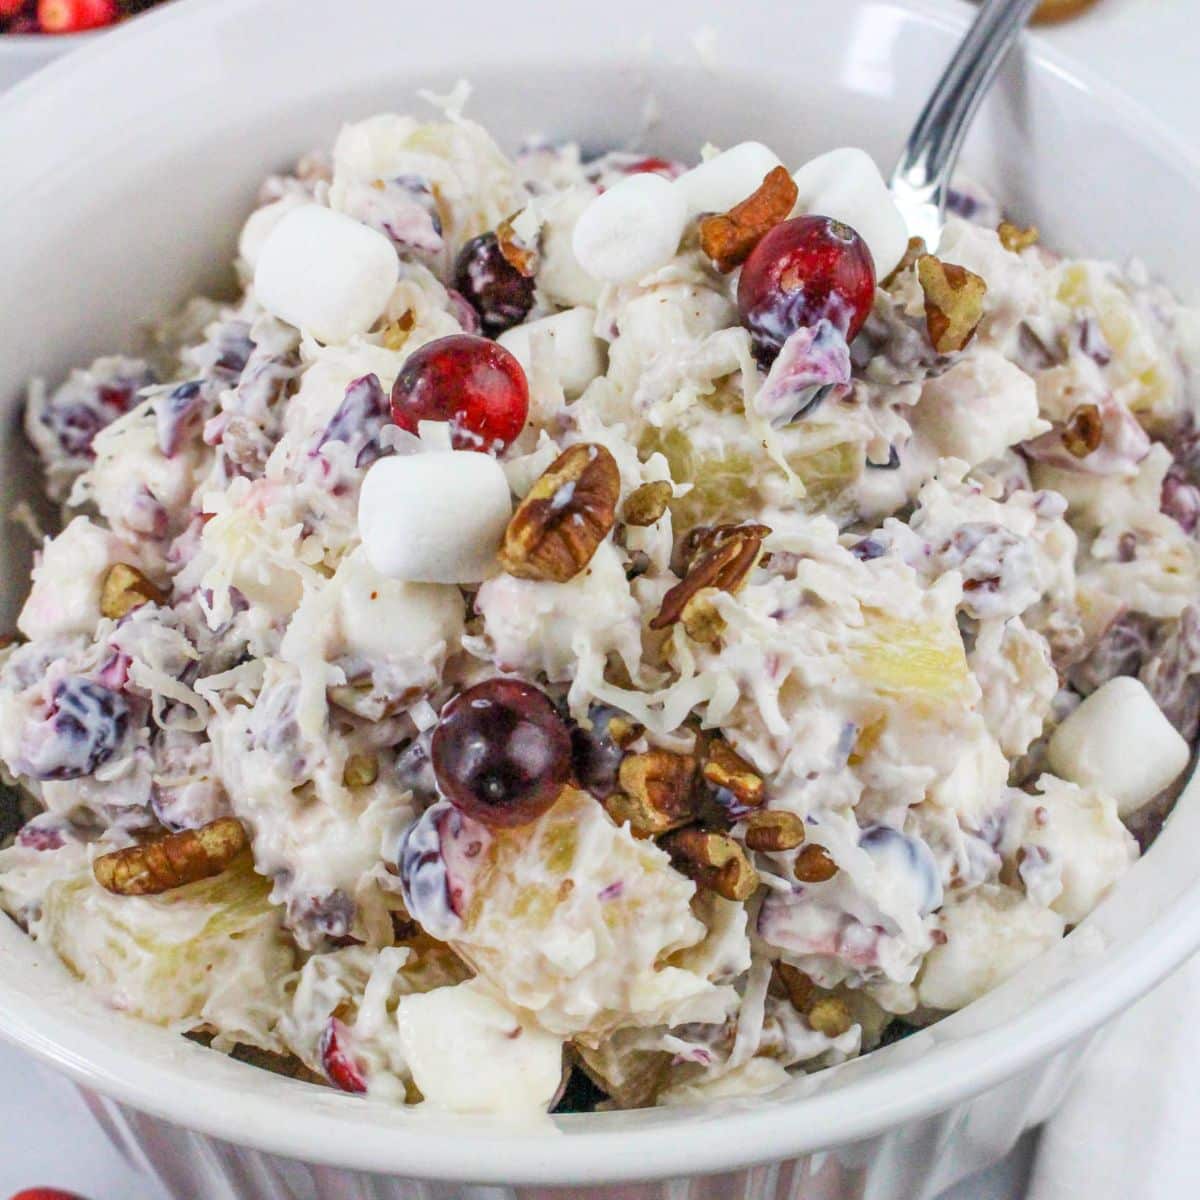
{"points": [[22, 54], [126, 174]]}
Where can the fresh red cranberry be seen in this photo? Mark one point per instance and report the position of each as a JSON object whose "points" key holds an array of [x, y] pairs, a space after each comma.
{"points": [[653, 165], [501, 752], [74, 16], [807, 269], [498, 292], [11, 8], [40, 1193], [337, 1059], [469, 381]]}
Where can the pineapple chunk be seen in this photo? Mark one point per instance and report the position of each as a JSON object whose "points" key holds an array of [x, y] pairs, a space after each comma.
{"points": [[921, 664], [1137, 361], [212, 953], [573, 918]]}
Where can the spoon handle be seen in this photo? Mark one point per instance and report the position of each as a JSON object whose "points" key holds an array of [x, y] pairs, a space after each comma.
{"points": [[922, 176]]}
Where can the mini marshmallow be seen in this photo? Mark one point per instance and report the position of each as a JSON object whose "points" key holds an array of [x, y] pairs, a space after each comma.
{"points": [[630, 230], [578, 353], [468, 1052], [261, 223], [381, 618], [846, 185], [1119, 741], [727, 178], [434, 518], [325, 273]]}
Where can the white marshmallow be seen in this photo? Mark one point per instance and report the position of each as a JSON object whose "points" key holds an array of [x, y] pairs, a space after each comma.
{"points": [[1119, 741], [727, 178], [469, 1053], [325, 273], [434, 518], [382, 618], [260, 224], [846, 184], [630, 230], [578, 353]]}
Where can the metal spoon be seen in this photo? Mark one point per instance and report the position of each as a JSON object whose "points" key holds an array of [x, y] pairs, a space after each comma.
{"points": [[921, 181]]}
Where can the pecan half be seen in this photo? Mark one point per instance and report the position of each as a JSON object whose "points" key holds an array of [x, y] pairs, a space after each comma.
{"points": [[774, 831], [714, 860], [126, 588], [729, 238], [953, 302], [645, 505], [1084, 431], [725, 768], [171, 861], [656, 793], [814, 865], [912, 252], [517, 253], [566, 515], [725, 567], [1016, 239]]}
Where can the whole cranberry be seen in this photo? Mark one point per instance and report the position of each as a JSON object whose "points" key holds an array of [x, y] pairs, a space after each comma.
{"points": [[469, 381], [497, 291], [74, 16], [807, 269], [501, 752], [42, 1193], [341, 1068]]}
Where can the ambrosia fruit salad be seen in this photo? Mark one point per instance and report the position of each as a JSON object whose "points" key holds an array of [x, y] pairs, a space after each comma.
{"points": [[600, 628]]}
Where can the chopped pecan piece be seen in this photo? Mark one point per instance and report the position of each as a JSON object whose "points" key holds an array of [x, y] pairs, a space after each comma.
{"points": [[703, 538], [714, 860], [912, 252], [517, 253], [656, 793], [171, 861], [773, 831], [725, 768], [829, 1016], [1083, 431], [725, 567], [566, 515], [360, 771], [813, 865], [701, 619], [1016, 239], [729, 238], [801, 990], [646, 504], [126, 588], [953, 302]]}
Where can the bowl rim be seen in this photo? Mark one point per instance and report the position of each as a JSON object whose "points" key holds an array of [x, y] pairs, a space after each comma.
{"points": [[716, 1138]]}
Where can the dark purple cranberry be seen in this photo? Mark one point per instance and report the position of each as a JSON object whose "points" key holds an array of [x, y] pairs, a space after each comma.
{"points": [[84, 730], [359, 420], [176, 413], [501, 752], [805, 270], [498, 292], [595, 756], [868, 549]]}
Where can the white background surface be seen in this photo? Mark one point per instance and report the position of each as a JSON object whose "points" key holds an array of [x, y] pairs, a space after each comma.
{"points": [[49, 1138]]}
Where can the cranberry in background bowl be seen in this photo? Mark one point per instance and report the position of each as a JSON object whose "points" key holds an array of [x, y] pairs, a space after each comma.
{"points": [[34, 32]]}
